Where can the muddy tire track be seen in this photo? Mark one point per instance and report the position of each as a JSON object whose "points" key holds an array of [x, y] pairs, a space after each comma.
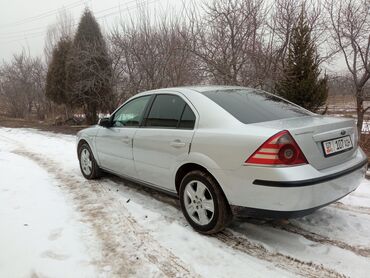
{"points": [[286, 262], [358, 250], [241, 243], [355, 209], [122, 238]]}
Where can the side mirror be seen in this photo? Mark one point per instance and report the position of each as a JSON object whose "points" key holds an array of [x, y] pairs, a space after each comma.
{"points": [[105, 122]]}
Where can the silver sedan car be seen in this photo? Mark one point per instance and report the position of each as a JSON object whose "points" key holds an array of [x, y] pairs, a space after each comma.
{"points": [[227, 151]]}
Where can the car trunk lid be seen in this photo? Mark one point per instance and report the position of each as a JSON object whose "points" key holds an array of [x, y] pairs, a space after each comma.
{"points": [[311, 131]]}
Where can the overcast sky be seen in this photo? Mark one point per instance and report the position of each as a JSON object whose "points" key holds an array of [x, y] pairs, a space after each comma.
{"points": [[23, 24]]}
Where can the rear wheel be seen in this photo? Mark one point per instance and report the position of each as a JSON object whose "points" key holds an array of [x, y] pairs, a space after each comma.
{"points": [[203, 203], [89, 167]]}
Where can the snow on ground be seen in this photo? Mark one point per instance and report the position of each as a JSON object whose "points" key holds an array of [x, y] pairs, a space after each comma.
{"points": [[114, 228], [39, 232], [360, 197]]}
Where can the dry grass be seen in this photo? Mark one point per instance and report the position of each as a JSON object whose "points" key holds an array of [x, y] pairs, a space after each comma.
{"points": [[42, 125]]}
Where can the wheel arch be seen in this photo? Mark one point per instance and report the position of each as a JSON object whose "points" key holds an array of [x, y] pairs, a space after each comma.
{"points": [[80, 143], [191, 166]]}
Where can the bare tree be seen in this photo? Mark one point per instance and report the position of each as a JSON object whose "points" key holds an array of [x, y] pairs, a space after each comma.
{"points": [[89, 80], [350, 31], [227, 39], [63, 28], [282, 19], [284, 15], [340, 87], [22, 84], [149, 55], [38, 76]]}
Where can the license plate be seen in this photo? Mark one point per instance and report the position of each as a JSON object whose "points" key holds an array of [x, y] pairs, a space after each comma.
{"points": [[338, 145]]}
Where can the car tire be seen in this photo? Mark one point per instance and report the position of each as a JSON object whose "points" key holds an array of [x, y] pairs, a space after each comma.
{"points": [[88, 166], [196, 206]]}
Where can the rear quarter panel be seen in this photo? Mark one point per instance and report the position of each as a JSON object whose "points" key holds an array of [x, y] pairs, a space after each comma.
{"points": [[229, 148]]}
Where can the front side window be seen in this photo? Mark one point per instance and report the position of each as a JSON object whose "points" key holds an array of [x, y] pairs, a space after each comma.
{"points": [[166, 111], [131, 114]]}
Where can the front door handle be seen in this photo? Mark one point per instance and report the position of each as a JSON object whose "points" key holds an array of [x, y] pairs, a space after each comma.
{"points": [[177, 144]]}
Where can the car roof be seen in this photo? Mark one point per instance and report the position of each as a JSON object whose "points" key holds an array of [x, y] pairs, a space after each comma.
{"points": [[204, 88], [196, 88]]}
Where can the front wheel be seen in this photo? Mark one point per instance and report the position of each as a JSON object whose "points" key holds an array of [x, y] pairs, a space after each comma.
{"points": [[203, 203], [89, 167]]}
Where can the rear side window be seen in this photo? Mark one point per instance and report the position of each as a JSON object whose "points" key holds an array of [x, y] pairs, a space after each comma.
{"points": [[187, 118], [254, 106], [166, 111]]}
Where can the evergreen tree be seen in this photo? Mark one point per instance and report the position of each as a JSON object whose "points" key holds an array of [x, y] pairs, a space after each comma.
{"points": [[301, 82], [89, 71], [56, 89]]}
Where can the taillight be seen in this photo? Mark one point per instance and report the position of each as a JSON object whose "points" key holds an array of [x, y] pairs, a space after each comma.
{"points": [[280, 149]]}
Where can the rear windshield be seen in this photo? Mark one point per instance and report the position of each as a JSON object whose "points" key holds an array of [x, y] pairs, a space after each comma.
{"points": [[254, 106]]}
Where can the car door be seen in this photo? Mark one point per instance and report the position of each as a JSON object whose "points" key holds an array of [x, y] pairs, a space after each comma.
{"points": [[164, 139], [114, 144]]}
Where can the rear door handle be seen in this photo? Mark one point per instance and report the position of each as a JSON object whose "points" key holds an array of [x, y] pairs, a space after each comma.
{"points": [[177, 144], [126, 139]]}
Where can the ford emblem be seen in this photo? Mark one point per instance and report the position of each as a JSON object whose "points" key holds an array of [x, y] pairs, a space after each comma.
{"points": [[343, 132]]}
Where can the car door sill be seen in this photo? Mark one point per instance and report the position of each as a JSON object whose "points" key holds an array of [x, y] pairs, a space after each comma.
{"points": [[147, 184]]}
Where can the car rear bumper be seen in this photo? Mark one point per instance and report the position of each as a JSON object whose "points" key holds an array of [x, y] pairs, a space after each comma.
{"points": [[312, 181], [290, 192], [276, 214]]}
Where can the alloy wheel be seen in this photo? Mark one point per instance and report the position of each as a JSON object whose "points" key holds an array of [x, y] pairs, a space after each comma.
{"points": [[86, 162], [199, 203]]}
